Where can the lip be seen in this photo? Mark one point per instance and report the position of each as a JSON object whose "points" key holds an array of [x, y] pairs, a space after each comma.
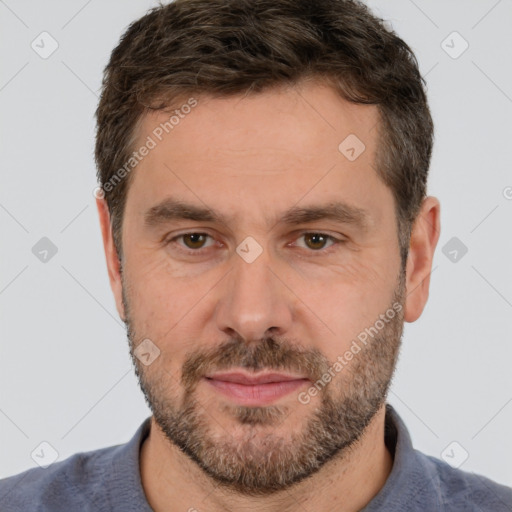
{"points": [[253, 379], [255, 389]]}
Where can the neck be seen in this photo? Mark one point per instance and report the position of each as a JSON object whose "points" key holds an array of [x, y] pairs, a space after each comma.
{"points": [[172, 481]]}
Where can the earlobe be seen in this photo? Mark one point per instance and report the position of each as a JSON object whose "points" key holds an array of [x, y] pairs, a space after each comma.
{"points": [[113, 264], [424, 237]]}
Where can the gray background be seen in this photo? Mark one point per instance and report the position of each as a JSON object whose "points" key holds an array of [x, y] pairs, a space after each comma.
{"points": [[65, 373]]}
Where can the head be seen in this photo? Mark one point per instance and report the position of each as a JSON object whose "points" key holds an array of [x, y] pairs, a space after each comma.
{"points": [[264, 167]]}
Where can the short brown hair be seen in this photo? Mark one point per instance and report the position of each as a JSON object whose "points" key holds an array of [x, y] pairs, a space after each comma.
{"points": [[231, 47]]}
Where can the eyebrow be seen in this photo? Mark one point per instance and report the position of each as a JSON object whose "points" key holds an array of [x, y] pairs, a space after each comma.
{"points": [[171, 209]]}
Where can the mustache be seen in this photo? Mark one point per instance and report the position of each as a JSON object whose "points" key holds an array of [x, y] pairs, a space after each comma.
{"points": [[267, 353]]}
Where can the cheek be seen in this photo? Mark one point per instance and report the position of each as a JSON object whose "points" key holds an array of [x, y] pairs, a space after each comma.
{"points": [[341, 301], [150, 294], [163, 301]]}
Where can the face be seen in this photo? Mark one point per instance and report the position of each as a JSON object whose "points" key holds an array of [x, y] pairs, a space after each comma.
{"points": [[257, 257]]}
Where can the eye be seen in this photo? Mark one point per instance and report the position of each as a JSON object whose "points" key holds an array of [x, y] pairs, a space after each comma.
{"points": [[193, 241], [317, 241]]}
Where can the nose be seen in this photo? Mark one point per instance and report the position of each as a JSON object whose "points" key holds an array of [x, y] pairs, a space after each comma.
{"points": [[254, 301]]}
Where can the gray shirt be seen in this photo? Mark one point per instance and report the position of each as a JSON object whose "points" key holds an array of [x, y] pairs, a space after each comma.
{"points": [[108, 480]]}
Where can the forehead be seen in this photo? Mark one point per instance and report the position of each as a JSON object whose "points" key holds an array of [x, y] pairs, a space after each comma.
{"points": [[259, 151], [305, 118]]}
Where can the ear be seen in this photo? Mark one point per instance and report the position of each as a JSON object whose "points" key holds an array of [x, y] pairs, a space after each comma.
{"points": [[424, 237], [113, 264]]}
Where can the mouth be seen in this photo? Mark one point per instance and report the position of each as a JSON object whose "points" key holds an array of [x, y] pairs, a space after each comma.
{"points": [[255, 389]]}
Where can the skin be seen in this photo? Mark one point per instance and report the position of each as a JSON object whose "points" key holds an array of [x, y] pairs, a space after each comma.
{"points": [[251, 158]]}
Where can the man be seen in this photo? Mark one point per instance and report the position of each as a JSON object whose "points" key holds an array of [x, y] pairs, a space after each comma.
{"points": [[263, 206]]}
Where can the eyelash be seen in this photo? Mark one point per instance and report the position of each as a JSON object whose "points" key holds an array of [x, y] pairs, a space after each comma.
{"points": [[335, 241]]}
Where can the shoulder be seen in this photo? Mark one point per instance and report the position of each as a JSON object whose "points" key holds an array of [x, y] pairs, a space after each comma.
{"points": [[466, 491], [63, 486], [422, 482]]}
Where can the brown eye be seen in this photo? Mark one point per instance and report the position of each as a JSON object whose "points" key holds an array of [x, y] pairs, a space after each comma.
{"points": [[194, 240], [316, 241]]}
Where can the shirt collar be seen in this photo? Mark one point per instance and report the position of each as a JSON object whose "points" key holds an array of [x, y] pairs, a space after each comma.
{"points": [[126, 491], [412, 482]]}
